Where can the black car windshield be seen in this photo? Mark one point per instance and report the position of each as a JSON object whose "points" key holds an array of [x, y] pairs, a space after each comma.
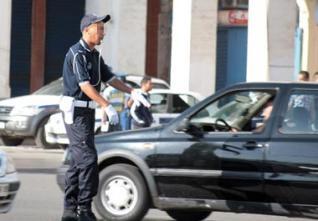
{"points": [[235, 108], [53, 88]]}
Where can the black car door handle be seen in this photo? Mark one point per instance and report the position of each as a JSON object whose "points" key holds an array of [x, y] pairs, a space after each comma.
{"points": [[252, 145]]}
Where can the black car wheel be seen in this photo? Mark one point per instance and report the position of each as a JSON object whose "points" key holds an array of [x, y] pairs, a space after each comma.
{"points": [[186, 215], [9, 141], [122, 194]]}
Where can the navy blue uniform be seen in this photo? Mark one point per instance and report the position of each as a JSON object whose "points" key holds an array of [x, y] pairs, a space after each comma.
{"points": [[81, 181]]}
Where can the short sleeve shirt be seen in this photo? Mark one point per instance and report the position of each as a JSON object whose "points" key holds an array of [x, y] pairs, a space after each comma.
{"points": [[83, 65]]}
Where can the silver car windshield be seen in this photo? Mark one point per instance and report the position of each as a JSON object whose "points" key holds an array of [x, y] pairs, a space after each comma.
{"points": [[53, 88]]}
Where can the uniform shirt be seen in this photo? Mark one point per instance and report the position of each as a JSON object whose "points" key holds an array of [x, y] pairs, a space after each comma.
{"points": [[83, 65]]}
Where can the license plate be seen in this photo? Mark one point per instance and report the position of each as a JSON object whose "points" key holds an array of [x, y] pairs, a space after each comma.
{"points": [[2, 125], [4, 190]]}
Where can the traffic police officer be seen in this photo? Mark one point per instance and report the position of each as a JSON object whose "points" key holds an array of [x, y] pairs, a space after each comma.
{"points": [[83, 71]]}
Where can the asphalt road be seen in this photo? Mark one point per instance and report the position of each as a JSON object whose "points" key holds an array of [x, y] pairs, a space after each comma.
{"points": [[39, 198]]}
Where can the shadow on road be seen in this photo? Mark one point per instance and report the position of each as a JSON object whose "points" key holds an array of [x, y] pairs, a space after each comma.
{"points": [[147, 219], [37, 170], [156, 219]]}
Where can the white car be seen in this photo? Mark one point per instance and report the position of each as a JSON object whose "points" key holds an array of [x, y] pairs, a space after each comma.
{"points": [[168, 104], [9, 182], [25, 116], [165, 106]]}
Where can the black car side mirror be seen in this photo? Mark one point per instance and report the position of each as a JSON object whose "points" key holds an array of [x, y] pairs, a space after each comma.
{"points": [[184, 125], [187, 127]]}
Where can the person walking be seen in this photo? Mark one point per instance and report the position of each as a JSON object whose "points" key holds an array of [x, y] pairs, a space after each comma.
{"points": [[141, 114], [83, 71]]}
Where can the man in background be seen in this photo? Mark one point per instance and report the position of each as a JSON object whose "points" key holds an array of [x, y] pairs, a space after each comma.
{"points": [[303, 76], [141, 115]]}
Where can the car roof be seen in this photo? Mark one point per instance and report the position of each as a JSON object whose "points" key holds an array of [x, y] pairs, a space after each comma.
{"points": [[137, 78], [170, 91], [275, 84]]}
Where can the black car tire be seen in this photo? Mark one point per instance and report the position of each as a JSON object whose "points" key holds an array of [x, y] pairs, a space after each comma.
{"points": [[132, 205], [40, 140], [186, 215], [9, 141]]}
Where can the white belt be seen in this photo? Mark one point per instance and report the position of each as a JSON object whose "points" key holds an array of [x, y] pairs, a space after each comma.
{"points": [[89, 104]]}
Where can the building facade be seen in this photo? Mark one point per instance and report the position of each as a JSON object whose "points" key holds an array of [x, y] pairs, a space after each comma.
{"points": [[198, 45], [35, 41]]}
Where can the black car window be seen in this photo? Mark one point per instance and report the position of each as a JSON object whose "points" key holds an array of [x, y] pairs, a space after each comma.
{"points": [[301, 115], [240, 110]]}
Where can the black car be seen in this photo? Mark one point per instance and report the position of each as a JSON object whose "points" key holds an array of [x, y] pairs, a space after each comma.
{"points": [[223, 154]]}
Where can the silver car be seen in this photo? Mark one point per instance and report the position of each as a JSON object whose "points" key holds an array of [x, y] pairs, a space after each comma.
{"points": [[9, 182]]}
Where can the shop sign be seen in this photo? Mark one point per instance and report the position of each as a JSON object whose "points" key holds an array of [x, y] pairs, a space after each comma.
{"points": [[233, 17]]}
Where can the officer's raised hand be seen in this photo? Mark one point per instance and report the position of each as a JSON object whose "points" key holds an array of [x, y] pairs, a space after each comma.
{"points": [[111, 114]]}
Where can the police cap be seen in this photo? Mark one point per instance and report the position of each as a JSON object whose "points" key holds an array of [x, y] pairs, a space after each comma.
{"points": [[89, 19]]}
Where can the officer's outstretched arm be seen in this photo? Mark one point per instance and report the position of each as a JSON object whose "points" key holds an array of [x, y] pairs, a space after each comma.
{"points": [[135, 95], [91, 92], [118, 84]]}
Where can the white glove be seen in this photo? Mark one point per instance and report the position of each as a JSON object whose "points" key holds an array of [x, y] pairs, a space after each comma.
{"points": [[138, 98], [112, 115], [140, 121]]}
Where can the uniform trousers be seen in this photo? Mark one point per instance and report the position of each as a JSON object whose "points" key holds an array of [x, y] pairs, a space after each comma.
{"points": [[81, 179]]}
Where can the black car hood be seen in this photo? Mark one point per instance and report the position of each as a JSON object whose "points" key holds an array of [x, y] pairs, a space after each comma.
{"points": [[129, 136]]}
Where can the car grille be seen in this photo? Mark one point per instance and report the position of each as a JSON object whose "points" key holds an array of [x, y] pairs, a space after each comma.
{"points": [[5, 110], [5, 202]]}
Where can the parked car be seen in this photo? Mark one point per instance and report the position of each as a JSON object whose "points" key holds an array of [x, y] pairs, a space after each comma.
{"points": [[9, 182], [166, 105], [134, 81], [211, 158], [25, 116], [55, 132]]}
